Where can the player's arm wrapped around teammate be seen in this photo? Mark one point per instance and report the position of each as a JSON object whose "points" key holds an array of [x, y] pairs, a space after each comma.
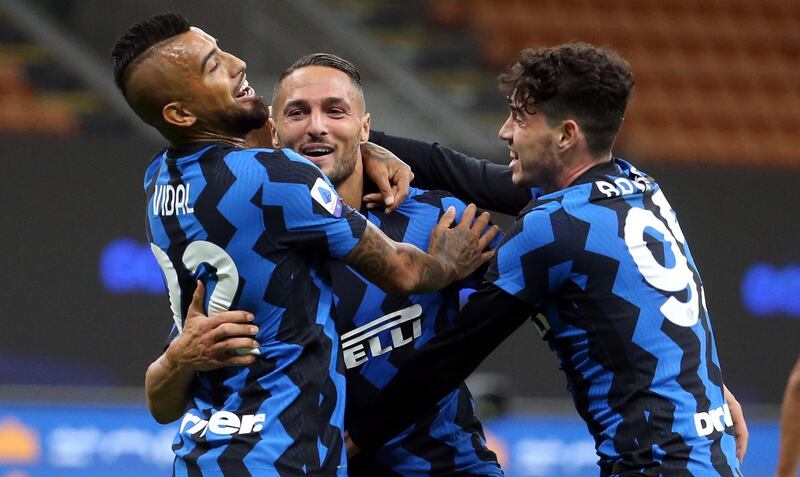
{"points": [[453, 253], [479, 181], [439, 366]]}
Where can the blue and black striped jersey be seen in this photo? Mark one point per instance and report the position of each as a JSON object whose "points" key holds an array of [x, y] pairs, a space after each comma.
{"points": [[619, 298], [258, 227], [378, 333], [606, 272]]}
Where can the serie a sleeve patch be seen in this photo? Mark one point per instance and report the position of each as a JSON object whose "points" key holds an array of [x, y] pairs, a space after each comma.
{"points": [[325, 196]]}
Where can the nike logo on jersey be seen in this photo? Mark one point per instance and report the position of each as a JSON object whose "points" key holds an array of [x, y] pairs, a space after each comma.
{"points": [[360, 344], [714, 420], [222, 423], [171, 200]]}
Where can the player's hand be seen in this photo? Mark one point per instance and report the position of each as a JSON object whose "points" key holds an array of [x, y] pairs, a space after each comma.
{"points": [[352, 448], [391, 175], [464, 247], [740, 433], [210, 342]]}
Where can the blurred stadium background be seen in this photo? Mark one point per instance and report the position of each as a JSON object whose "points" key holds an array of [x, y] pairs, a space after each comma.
{"points": [[714, 118]]}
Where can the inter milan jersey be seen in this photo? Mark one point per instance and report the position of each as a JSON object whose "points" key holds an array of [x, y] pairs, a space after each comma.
{"points": [[378, 333], [606, 274], [621, 302], [257, 226]]}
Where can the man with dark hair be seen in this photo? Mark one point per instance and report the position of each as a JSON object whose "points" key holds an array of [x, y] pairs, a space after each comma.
{"points": [[599, 262], [319, 112], [258, 228]]}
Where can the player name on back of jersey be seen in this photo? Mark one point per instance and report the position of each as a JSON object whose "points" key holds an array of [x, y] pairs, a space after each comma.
{"points": [[171, 200], [619, 186]]}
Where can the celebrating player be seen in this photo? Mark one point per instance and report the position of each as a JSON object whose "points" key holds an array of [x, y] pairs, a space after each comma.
{"points": [[258, 226], [598, 259], [319, 111]]}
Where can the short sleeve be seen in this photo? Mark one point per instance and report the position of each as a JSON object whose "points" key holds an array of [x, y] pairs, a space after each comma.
{"points": [[302, 209]]}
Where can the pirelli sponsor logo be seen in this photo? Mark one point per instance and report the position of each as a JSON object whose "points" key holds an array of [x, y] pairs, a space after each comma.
{"points": [[370, 340]]}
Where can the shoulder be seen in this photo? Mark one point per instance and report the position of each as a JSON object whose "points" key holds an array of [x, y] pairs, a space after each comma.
{"points": [[281, 165], [153, 167], [543, 222], [438, 199]]}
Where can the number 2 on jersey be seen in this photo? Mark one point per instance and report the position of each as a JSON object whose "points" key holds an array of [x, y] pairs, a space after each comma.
{"points": [[197, 253]]}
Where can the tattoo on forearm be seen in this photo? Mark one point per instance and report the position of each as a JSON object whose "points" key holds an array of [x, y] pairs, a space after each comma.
{"points": [[370, 256]]}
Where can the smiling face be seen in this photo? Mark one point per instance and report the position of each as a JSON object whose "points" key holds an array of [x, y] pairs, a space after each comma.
{"points": [[319, 113], [189, 82], [533, 145]]}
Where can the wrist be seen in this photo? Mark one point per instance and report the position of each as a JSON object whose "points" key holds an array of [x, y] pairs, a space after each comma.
{"points": [[450, 270], [171, 364]]}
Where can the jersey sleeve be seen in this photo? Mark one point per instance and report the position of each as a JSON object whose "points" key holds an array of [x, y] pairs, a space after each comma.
{"points": [[301, 208], [439, 366], [474, 180], [534, 258]]}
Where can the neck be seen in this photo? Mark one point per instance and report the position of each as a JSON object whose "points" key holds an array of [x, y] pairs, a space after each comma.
{"points": [[208, 136], [351, 190], [571, 173]]}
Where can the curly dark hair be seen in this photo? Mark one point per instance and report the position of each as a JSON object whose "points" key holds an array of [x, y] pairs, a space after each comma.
{"points": [[577, 80], [135, 44]]}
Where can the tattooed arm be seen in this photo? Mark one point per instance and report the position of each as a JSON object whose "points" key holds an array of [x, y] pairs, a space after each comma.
{"points": [[402, 268]]}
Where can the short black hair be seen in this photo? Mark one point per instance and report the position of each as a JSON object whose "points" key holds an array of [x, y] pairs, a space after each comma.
{"points": [[140, 38], [321, 59], [590, 84]]}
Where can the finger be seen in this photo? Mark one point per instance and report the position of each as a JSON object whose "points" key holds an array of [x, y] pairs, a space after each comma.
{"points": [[742, 437], [487, 238], [352, 448], [385, 188], [388, 197], [481, 223], [228, 330], [402, 181], [486, 256], [196, 307], [235, 316], [233, 345], [447, 218], [373, 199], [467, 216]]}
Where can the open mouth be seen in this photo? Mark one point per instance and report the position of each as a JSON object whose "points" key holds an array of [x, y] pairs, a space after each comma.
{"points": [[316, 150], [514, 158], [245, 91]]}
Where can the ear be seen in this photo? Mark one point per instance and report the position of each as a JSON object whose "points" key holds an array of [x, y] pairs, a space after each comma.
{"points": [[570, 131], [175, 114], [273, 131], [365, 124]]}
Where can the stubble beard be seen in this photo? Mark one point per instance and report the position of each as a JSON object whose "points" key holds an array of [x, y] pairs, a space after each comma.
{"points": [[546, 169], [244, 119], [343, 168]]}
